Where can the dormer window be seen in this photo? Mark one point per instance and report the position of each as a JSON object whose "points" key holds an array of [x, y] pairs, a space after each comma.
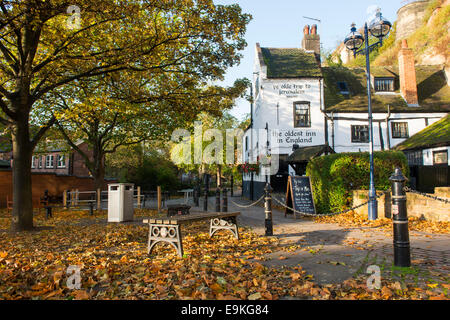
{"points": [[343, 87], [384, 84]]}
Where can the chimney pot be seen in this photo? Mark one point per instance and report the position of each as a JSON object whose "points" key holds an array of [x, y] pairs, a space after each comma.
{"points": [[306, 30], [404, 43], [311, 40]]}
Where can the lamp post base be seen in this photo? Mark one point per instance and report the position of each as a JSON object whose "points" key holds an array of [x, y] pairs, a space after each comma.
{"points": [[373, 209]]}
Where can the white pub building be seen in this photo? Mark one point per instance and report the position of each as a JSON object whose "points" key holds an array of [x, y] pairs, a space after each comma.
{"points": [[302, 110]]}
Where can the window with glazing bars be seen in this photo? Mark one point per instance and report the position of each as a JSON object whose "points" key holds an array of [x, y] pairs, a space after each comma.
{"points": [[400, 130], [302, 114], [384, 84], [360, 133]]}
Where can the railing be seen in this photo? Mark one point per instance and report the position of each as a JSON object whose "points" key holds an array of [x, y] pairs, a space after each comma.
{"points": [[75, 198]]}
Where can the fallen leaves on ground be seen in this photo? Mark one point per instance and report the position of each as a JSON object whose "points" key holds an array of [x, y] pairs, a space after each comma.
{"points": [[113, 264], [353, 219]]}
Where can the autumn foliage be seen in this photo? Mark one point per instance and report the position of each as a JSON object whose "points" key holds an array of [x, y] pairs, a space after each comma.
{"points": [[114, 265]]}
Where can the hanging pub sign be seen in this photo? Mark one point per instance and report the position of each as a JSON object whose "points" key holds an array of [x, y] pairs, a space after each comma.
{"points": [[299, 196]]}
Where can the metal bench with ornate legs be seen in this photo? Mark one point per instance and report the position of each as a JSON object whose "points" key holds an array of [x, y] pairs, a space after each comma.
{"points": [[169, 229]]}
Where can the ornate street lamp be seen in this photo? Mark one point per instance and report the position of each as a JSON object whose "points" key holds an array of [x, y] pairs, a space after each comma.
{"points": [[379, 28]]}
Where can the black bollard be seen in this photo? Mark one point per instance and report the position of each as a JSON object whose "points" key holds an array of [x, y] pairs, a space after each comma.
{"points": [[217, 199], [225, 200], [232, 186], [205, 200], [48, 212], [402, 255], [197, 195], [268, 210], [91, 208]]}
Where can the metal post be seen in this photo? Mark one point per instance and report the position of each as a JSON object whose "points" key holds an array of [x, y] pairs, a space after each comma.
{"points": [[402, 255], [217, 199], [268, 210], [232, 186], [48, 212], [225, 200], [99, 199], [65, 199], [139, 197], [196, 195], [158, 198], [373, 205], [91, 208], [205, 200]]}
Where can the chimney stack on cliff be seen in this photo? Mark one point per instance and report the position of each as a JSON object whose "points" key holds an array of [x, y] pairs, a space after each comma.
{"points": [[407, 74], [311, 40]]}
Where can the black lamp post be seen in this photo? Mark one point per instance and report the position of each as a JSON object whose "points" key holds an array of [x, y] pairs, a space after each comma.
{"points": [[379, 28]]}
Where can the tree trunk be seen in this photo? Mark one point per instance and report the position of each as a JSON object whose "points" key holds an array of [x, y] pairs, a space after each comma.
{"points": [[22, 213], [99, 169]]}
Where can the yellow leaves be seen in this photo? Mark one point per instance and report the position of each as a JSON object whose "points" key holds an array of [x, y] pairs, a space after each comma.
{"points": [[415, 224], [386, 293], [255, 296], [119, 268], [258, 268], [57, 276], [295, 276], [55, 293], [439, 297], [80, 295], [216, 288]]}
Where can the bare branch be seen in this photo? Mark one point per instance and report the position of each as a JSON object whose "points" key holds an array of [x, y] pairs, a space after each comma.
{"points": [[6, 110]]}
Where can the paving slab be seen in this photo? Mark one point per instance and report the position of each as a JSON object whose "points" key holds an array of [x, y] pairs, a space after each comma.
{"points": [[333, 253]]}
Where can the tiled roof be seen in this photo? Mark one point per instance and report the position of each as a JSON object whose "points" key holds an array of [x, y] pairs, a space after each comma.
{"points": [[290, 63], [308, 153], [435, 135], [433, 91]]}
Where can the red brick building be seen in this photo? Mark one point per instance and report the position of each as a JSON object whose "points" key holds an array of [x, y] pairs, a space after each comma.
{"points": [[55, 158]]}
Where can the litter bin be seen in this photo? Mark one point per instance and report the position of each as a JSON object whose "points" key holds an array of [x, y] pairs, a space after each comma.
{"points": [[120, 202]]}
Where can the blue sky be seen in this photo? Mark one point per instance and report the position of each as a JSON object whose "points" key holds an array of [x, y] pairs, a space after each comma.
{"points": [[279, 23]]}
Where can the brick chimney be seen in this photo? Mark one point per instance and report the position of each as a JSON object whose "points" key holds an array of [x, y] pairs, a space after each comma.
{"points": [[407, 73], [311, 40]]}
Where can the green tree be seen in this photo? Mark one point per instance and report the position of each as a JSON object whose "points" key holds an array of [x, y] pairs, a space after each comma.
{"points": [[44, 50]]}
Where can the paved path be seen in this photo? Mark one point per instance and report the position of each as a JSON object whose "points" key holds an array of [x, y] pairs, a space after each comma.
{"points": [[332, 253]]}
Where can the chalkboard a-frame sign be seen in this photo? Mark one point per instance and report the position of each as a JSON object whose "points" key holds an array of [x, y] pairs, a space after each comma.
{"points": [[299, 196]]}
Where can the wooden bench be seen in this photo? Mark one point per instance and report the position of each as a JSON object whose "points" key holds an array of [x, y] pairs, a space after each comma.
{"points": [[176, 210], [9, 204], [169, 229], [89, 204], [40, 204]]}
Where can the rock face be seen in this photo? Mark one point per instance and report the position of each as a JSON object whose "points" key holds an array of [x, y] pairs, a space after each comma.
{"points": [[410, 18]]}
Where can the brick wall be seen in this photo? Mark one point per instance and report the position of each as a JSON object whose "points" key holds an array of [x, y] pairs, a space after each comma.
{"points": [[417, 205], [55, 184], [79, 167], [407, 74]]}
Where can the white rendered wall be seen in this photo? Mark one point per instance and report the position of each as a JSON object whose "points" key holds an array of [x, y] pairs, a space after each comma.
{"points": [[343, 135]]}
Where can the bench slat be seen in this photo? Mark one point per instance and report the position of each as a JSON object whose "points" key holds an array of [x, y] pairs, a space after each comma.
{"points": [[192, 217]]}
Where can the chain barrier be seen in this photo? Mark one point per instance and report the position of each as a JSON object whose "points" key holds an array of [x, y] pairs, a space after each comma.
{"points": [[248, 206], [445, 200], [323, 214]]}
